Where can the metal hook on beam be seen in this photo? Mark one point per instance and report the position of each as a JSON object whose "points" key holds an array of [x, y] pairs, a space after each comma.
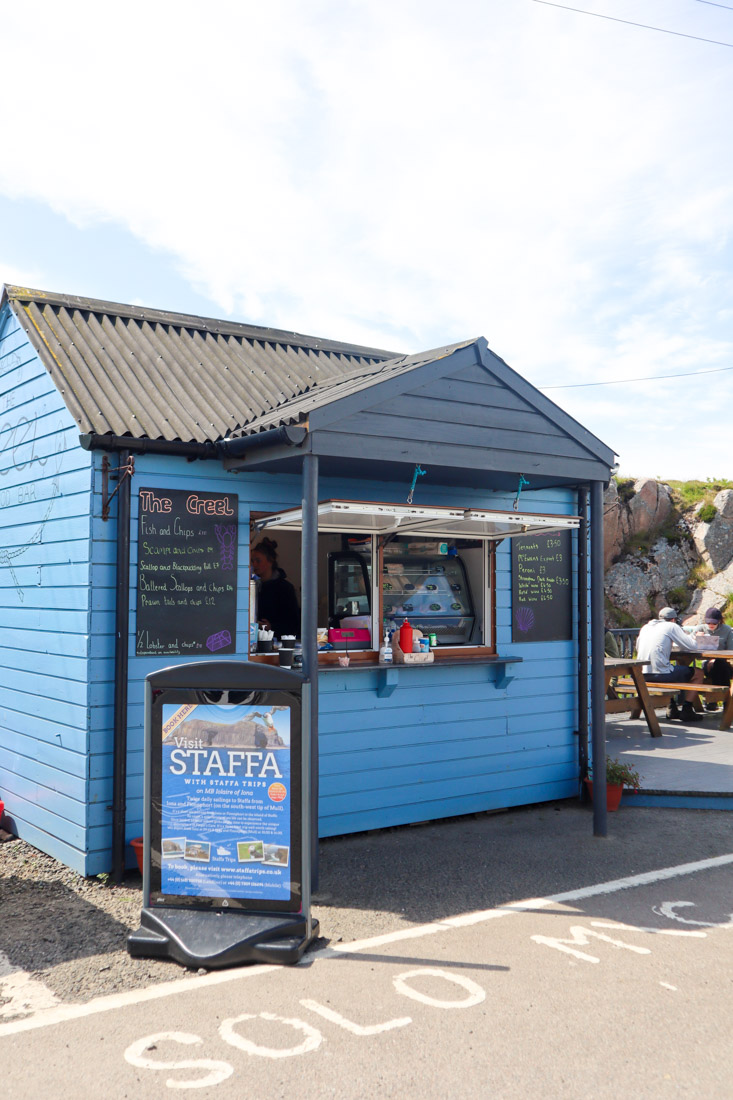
{"points": [[522, 482], [418, 473]]}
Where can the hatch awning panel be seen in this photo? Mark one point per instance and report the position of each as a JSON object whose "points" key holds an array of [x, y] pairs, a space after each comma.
{"points": [[373, 518]]}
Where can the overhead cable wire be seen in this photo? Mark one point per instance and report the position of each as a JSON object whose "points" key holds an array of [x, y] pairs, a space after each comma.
{"points": [[713, 4], [626, 381], [629, 23]]}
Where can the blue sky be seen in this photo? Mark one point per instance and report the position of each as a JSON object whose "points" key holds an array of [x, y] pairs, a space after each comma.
{"points": [[402, 174]]}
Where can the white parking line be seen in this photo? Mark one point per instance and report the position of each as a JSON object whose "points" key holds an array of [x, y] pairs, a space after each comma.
{"points": [[62, 1013]]}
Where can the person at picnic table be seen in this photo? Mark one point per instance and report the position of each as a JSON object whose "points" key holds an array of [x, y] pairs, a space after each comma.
{"points": [[654, 648], [716, 670], [714, 626]]}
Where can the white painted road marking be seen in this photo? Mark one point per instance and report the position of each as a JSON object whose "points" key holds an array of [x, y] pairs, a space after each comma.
{"points": [[312, 1041], [349, 1025], [475, 993], [668, 910], [580, 937], [136, 1055], [139, 1053], [650, 931], [62, 1013]]}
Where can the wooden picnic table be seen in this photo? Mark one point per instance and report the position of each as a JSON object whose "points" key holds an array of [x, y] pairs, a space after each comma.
{"points": [[707, 655], [625, 666]]}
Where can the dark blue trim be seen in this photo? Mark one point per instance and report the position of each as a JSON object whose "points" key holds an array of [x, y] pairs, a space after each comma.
{"points": [[683, 800]]}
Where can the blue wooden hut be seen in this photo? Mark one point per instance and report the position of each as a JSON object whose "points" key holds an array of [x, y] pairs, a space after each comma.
{"points": [[108, 409]]}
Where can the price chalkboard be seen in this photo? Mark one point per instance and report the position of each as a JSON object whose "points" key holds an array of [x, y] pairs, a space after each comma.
{"points": [[542, 588], [186, 572]]}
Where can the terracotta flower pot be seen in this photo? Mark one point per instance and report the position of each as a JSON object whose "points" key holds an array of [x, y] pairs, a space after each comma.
{"points": [[137, 847], [613, 793]]}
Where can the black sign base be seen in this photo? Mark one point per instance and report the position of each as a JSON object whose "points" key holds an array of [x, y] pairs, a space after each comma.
{"points": [[217, 939]]}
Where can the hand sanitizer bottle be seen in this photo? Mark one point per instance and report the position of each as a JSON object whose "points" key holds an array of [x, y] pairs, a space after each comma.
{"points": [[385, 653]]}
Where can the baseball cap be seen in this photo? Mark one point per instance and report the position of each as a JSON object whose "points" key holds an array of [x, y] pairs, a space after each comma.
{"points": [[668, 613], [713, 615]]}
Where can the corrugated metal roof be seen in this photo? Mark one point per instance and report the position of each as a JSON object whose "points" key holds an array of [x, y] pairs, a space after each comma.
{"points": [[298, 408], [124, 369]]}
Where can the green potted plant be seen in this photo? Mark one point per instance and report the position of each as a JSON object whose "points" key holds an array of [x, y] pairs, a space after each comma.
{"points": [[618, 776]]}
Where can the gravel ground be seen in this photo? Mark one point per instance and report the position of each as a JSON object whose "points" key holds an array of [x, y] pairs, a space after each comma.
{"points": [[69, 933]]}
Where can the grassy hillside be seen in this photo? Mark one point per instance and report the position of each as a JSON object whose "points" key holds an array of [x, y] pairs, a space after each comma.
{"points": [[687, 494]]}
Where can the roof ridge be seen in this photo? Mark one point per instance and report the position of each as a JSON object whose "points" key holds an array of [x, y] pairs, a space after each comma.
{"points": [[214, 325]]}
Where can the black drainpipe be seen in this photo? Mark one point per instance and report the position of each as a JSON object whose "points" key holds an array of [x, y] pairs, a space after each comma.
{"points": [[309, 631], [122, 603], [597, 687], [583, 640]]}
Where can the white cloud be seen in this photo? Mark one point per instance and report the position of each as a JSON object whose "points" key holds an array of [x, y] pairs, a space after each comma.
{"points": [[407, 174]]}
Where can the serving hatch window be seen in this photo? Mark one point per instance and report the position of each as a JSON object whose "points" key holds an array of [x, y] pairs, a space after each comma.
{"points": [[381, 563]]}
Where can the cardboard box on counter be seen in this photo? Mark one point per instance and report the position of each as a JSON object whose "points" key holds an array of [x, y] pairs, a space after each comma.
{"points": [[400, 658]]}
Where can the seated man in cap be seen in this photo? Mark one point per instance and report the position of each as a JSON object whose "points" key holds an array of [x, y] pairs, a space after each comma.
{"points": [[654, 647]]}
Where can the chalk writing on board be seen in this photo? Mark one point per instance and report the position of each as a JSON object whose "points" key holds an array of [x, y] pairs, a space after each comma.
{"points": [[186, 577], [541, 588]]}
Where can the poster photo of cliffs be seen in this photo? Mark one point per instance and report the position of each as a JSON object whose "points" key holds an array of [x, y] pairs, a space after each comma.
{"points": [[225, 778]]}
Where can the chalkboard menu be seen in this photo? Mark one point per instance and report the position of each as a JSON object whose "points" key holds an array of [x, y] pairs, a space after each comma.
{"points": [[186, 572], [542, 588]]}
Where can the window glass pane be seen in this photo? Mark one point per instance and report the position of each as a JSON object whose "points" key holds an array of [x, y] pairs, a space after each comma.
{"points": [[437, 585]]}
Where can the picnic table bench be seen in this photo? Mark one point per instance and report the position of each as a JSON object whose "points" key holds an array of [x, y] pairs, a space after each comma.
{"points": [[627, 685], [627, 667]]}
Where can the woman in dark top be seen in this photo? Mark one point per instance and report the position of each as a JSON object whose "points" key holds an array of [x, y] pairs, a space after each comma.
{"points": [[277, 603]]}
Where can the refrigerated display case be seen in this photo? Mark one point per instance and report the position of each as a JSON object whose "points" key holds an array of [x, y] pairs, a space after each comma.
{"points": [[432, 592]]}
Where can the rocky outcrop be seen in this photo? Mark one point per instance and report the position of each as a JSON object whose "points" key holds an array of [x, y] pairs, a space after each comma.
{"points": [[638, 582], [714, 540], [648, 508], [651, 505]]}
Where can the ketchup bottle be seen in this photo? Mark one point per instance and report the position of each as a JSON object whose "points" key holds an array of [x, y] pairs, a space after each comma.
{"points": [[406, 637]]}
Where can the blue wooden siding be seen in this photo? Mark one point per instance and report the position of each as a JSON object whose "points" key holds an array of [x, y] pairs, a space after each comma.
{"points": [[45, 483], [447, 741]]}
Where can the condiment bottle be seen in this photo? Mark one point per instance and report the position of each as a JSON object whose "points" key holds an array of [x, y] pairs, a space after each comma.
{"points": [[406, 637]]}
